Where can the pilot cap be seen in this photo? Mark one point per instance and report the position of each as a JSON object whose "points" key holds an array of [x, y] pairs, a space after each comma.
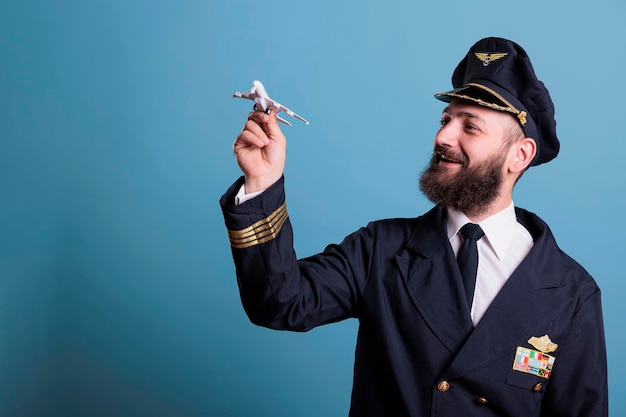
{"points": [[497, 73]]}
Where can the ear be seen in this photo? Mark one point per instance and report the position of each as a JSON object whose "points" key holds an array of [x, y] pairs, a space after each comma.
{"points": [[524, 151]]}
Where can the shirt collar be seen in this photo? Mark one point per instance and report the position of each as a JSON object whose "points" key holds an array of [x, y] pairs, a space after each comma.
{"points": [[499, 228]]}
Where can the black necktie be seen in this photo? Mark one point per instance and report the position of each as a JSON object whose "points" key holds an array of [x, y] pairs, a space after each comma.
{"points": [[468, 258]]}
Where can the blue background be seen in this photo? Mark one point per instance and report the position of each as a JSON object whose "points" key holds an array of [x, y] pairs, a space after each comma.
{"points": [[117, 290]]}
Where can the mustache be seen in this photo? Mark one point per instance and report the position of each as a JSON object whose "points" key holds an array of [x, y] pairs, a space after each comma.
{"points": [[441, 153]]}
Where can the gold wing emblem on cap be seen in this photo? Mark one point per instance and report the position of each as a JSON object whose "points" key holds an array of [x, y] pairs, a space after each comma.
{"points": [[543, 344], [488, 57]]}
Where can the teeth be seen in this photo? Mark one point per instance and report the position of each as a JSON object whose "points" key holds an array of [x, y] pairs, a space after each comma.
{"points": [[444, 158]]}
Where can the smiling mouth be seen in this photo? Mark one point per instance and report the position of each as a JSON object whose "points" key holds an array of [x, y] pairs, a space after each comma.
{"points": [[441, 156]]}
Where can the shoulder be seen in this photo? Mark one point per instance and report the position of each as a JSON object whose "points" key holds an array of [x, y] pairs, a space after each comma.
{"points": [[385, 232], [424, 234], [551, 260], [406, 227]]}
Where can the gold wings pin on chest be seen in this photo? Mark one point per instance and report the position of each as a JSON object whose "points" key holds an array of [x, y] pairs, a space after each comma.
{"points": [[543, 344]]}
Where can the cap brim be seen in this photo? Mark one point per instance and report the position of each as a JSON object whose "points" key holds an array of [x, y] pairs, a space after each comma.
{"points": [[479, 94]]}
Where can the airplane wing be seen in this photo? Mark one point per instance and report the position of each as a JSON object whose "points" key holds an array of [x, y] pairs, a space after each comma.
{"points": [[282, 108], [263, 101]]}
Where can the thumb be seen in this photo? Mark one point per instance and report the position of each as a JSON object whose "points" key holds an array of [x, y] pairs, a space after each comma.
{"points": [[273, 129]]}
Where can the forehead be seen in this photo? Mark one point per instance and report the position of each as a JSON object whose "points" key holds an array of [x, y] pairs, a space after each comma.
{"points": [[463, 107], [489, 119]]}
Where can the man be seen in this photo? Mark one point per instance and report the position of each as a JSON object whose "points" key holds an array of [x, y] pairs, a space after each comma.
{"points": [[468, 310]]}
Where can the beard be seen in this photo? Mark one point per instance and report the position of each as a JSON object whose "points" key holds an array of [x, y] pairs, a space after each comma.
{"points": [[471, 190]]}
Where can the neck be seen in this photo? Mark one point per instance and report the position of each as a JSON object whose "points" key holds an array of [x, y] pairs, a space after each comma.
{"points": [[496, 206]]}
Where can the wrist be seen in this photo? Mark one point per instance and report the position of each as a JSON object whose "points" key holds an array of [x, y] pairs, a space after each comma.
{"points": [[258, 184]]}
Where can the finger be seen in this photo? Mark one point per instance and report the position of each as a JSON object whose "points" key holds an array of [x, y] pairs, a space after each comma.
{"points": [[258, 131], [258, 117], [270, 125], [249, 138], [254, 126]]}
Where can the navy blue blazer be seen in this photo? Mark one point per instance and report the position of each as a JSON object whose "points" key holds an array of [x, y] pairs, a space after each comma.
{"points": [[417, 352]]}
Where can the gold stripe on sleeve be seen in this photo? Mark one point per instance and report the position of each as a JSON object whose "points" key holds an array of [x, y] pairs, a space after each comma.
{"points": [[261, 231]]}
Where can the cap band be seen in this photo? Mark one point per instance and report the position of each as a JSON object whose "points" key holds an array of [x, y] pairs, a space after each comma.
{"points": [[521, 115]]}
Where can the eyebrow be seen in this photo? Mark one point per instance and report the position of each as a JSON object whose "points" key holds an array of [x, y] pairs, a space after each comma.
{"points": [[463, 113]]}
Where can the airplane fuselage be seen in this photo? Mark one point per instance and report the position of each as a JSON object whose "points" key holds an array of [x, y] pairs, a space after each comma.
{"points": [[261, 96], [263, 102]]}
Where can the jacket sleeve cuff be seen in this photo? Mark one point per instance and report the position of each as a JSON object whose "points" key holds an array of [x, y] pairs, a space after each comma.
{"points": [[257, 220]]}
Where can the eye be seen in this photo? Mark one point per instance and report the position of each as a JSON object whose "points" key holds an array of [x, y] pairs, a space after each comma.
{"points": [[471, 127], [444, 121]]}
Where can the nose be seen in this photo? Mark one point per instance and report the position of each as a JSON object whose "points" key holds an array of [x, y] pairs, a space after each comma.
{"points": [[448, 135]]}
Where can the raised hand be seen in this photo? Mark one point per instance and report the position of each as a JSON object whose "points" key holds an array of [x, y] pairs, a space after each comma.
{"points": [[260, 150]]}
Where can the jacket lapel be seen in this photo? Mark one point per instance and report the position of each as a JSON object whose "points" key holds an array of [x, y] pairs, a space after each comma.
{"points": [[432, 278], [527, 300]]}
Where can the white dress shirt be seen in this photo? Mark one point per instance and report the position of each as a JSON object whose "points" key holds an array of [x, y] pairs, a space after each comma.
{"points": [[242, 197], [504, 246]]}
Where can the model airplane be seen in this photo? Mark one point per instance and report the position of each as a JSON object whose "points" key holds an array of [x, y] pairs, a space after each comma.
{"points": [[263, 102]]}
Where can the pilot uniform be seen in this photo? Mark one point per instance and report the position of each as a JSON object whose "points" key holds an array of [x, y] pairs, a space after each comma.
{"points": [[538, 349], [418, 353]]}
